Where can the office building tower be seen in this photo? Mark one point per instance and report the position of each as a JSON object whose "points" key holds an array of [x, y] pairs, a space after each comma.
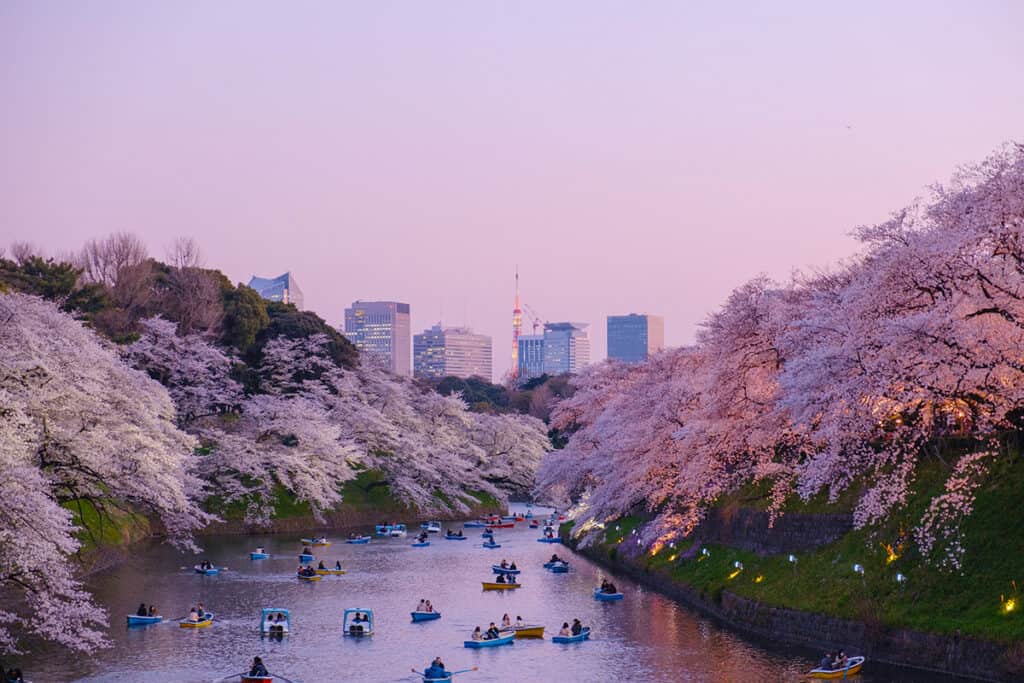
{"points": [[381, 330], [451, 351], [282, 288], [530, 357], [566, 347], [632, 338]]}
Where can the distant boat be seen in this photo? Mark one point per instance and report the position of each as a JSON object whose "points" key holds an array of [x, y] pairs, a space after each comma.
{"points": [[582, 635]]}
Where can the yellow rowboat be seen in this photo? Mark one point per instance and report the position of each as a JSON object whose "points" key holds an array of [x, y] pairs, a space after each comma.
{"points": [[529, 631], [853, 666], [203, 623], [330, 572], [321, 544], [315, 577], [488, 586]]}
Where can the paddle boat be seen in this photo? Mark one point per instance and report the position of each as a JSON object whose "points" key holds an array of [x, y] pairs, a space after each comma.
{"points": [[494, 586], [363, 627], [529, 631], [549, 539], [205, 621], [432, 527], [581, 636], [306, 557], [425, 616], [382, 529], [420, 544], [491, 545], [498, 569], [607, 597], [137, 620], [853, 666], [358, 540], [212, 571], [398, 531], [330, 572], [505, 638], [270, 624], [307, 577], [474, 525], [454, 537], [258, 556]]}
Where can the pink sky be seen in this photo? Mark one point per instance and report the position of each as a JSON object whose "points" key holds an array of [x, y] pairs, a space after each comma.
{"points": [[629, 157]]}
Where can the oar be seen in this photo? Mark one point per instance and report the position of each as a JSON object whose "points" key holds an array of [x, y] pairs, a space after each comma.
{"points": [[239, 674], [462, 671], [286, 680]]}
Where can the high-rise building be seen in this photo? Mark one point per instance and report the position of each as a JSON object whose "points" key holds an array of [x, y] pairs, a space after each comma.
{"points": [[381, 329], [566, 347], [530, 357], [282, 288], [451, 351], [632, 338]]}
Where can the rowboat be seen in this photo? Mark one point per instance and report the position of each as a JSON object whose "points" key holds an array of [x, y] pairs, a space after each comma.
{"points": [[202, 623], [315, 577], [246, 678], [583, 635], [498, 569], [473, 525], [509, 518], [505, 638], [358, 540], [454, 538], [420, 544], [425, 616], [305, 557], [853, 666], [490, 586], [519, 519], [534, 525], [316, 541], [529, 631], [440, 677], [559, 568], [330, 572], [503, 525], [137, 620], [607, 597], [549, 565], [545, 539], [491, 545], [212, 571], [258, 556]]}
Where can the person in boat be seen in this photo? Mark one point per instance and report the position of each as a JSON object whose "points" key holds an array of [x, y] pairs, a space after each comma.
{"points": [[321, 565], [259, 550], [430, 607], [565, 629], [519, 622], [141, 612], [554, 558], [513, 566], [337, 565], [492, 632], [153, 612], [840, 660], [477, 635], [422, 607], [504, 564], [500, 579], [307, 551], [193, 615], [435, 670], [459, 534], [577, 627], [201, 610], [257, 668], [506, 622]]}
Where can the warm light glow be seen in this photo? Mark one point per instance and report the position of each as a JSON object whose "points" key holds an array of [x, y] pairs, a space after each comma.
{"points": [[1008, 604], [890, 554], [672, 557], [759, 578], [735, 574]]}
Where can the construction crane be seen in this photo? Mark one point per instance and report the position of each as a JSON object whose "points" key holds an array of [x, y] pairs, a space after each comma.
{"points": [[536, 319]]}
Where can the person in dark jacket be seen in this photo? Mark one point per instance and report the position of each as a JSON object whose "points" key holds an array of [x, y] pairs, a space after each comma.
{"points": [[577, 627], [257, 668], [141, 612]]}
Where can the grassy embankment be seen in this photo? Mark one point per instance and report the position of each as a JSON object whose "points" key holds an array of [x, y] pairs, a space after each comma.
{"points": [[974, 603]]}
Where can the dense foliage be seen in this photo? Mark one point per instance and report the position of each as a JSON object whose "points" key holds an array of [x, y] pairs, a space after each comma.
{"points": [[834, 379]]}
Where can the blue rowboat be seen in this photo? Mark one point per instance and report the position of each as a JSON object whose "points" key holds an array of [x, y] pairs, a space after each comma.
{"points": [[421, 544], [549, 565], [473, 525], [508, 518], [559, 568], [545, 539], [491, 545], [506, 638], [258, 556], [208, 572], [455, 538], [358, 540], [607, 597], [498, 569], [425, 616], [136, 620], [305, 557], [583, 635]]}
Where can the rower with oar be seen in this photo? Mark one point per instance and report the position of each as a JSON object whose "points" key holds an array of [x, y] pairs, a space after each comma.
{"points": [[437, 672], [257, 672]]}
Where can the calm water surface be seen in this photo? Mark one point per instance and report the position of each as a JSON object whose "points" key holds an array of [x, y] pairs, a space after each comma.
{"points": [[645, 637]]}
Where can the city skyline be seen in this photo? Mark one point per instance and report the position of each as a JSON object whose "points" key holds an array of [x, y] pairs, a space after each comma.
{"points": [[715, 143]]}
